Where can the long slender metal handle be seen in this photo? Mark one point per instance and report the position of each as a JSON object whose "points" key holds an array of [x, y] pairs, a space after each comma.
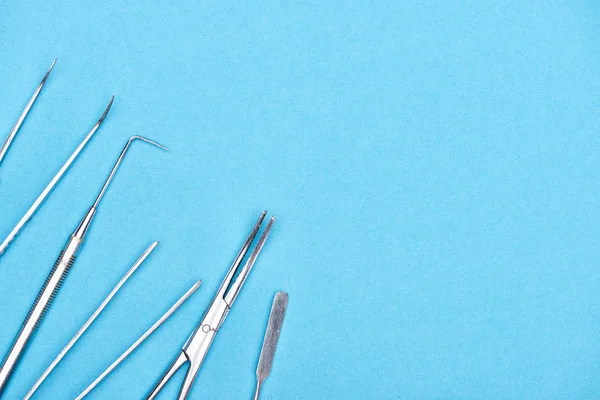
{"points": [[257, 391], [50, 187], [92, 318], [179, 362], [17, 126], [39, 308], [141, 340]]}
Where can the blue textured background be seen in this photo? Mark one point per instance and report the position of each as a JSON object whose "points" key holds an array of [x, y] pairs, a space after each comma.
{"points": [[434, 168]]}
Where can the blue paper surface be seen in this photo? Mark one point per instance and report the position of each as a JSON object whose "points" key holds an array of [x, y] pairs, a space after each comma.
{"points": [[433, 166]]}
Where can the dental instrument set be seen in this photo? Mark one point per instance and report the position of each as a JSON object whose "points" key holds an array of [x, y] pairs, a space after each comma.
{"points": [[199, 342]]}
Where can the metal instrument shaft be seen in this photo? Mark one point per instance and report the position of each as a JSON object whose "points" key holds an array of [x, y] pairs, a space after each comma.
{"points": [[57, 277], [139, 341], [57, 178], [92, 318], [17, 126]]}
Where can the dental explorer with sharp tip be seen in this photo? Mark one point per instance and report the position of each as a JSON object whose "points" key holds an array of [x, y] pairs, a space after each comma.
{"points": [[57, 178], [17, 126], [57, 276]]}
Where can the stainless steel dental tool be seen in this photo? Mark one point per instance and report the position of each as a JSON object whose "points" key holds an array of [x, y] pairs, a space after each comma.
{"points": [[57, 276], [46, 192], [140, 340], [17, 126], [265, 362], [89, 322], [196, 347]]}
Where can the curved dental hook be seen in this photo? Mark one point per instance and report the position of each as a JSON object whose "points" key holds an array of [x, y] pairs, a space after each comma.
{"points": [[17, 126], [55, 279], [118, 163]]}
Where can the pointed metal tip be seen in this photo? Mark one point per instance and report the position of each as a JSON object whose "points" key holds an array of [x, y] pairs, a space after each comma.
{"points": [[270, 224], [136, 137], [265, 234], [105, 113], [261, 219], [118, 163], [257, 226], [194, 287], [147, 252], [48, 72]]}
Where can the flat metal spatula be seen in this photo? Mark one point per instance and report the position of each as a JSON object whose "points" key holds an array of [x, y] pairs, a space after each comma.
{"points": [[265, 362]]}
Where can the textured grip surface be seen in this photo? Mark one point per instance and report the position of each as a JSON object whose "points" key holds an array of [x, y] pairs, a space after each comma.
{"points": [[61, 280], [267, 353]]}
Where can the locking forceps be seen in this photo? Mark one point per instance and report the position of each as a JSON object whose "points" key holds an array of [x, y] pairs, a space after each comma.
{"points": [[196, 347]]}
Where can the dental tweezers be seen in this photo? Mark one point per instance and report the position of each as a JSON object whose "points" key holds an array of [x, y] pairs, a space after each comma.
{"points": [[196, 347]]}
